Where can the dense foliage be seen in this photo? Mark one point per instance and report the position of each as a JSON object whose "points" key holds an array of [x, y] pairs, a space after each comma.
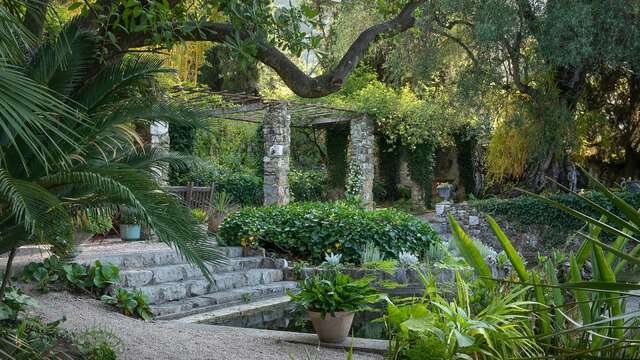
{"points": [[309, 230], [524, 211], [467, 327], [307, 185], [577, 312], [246, 189]]}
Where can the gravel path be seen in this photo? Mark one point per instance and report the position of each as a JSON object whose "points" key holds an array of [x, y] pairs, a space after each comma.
{"points": [[171, 340]]}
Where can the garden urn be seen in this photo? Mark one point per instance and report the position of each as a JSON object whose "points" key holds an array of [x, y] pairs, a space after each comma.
{"points": [[444, 191], [332, 329]]}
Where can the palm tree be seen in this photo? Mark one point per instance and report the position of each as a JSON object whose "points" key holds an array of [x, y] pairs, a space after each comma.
{"points": [[77, 152]]}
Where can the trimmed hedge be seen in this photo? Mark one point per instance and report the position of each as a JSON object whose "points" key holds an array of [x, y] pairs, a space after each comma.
{"points": [[526, 210], [309, 230]]}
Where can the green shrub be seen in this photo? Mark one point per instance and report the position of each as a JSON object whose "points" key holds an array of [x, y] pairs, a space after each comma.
{"points": [[97, 224], [244, 189], [526, 210], [309, 230], [308, 185], [54, 273], [131, 303], [200, 216]]}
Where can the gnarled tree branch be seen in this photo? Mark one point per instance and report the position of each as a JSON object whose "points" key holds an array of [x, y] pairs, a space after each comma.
{"points": [[300, 83]]}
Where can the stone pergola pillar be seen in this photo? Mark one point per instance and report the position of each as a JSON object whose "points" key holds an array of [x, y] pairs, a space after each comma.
{"points": [[159, 138], [277, 141], [361, 149]]}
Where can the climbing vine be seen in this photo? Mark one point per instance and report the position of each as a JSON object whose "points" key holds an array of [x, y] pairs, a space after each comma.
{"points": [[466, 141], [260, 150], [355, 181], [336, 141], [182, 140], [388, 165], [421, 162]]}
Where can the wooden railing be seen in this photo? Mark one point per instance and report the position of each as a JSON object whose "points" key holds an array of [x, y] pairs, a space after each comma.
{"points": [[194, 197]]}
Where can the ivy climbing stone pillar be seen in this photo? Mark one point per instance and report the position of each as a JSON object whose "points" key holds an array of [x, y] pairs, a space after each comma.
{"points": [[277, 141], [361, 149]]}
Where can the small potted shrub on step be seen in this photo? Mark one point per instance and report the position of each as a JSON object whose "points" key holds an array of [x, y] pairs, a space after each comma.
{"points": [[130, 228], [331, 300]]}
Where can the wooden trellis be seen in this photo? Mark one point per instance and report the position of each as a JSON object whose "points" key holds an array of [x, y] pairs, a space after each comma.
{"points": [[251, 108]]}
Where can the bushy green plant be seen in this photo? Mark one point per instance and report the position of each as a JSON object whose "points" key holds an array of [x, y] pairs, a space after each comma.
{"points": [[307, 185], [524, 211], [579, 317], [131, 303], [97, 344], [54, 273], [244, 189], [200, 216], [15, 301], [332, 291], [454, 329], [387, 266], [45, 273], [309, 230], [103, 275], [97, 224]]}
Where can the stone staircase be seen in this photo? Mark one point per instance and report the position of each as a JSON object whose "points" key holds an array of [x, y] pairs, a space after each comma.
{"points": [[176, 289]]}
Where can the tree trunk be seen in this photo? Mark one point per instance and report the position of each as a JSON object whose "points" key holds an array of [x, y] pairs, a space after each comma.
{"points": [[7, 273]]}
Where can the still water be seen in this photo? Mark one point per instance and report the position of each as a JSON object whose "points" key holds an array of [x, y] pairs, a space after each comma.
{"points": [[287, 318]]}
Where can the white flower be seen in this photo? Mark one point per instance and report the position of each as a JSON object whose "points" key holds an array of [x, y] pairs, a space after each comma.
{"points": [[407, 259], [333, 259]]}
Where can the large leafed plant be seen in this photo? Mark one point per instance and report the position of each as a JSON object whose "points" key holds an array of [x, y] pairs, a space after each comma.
{"points": [[69, 149]]}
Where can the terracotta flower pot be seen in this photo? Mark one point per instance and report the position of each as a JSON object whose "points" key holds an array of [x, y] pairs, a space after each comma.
{"points": [[332, 329]]}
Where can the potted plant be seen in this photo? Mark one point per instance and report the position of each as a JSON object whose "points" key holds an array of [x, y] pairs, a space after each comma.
{"points": [[331, 300], [220, 206], [130, 228]]}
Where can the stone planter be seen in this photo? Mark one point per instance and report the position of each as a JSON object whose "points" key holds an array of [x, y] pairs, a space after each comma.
{"points": [[332, 329], [130, 232]]}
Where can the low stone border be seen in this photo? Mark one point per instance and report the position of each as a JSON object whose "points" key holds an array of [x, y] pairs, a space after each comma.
{"points": [[409, 278]]}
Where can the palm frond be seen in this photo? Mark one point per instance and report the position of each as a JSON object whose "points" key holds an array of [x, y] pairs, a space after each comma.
{"points": [[62, 63], [109, 81], [14, 38], [30, 119]]}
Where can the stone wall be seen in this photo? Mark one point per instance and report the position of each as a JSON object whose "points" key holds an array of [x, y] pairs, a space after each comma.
{"points": [[277, 150], [474, 222], [361, 151]]}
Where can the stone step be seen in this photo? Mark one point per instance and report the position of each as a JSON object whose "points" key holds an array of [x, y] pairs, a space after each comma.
{"points": [[219, 300], [171, 273], [181, 289], [157, 257]]}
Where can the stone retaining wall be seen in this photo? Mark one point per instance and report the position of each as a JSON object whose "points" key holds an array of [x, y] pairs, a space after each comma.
{"points": [[475, 224]]}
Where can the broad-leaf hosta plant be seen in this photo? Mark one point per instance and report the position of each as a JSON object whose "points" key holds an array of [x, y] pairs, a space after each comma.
{"points": [[74, 152], [582, 314]]}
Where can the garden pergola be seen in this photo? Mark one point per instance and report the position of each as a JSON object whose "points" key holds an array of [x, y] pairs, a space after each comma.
{"points": [[276, 117]]}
